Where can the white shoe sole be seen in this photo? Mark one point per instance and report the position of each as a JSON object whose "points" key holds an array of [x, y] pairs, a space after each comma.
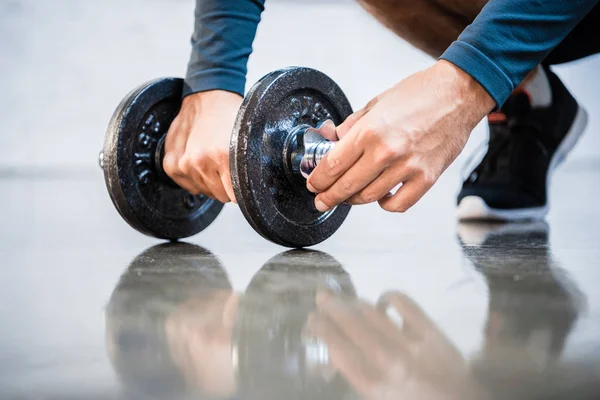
{"points": [[475, 208]]}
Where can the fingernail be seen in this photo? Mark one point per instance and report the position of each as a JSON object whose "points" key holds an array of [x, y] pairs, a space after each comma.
{"points": [[310, 188], [322, 207], [326, 122]]}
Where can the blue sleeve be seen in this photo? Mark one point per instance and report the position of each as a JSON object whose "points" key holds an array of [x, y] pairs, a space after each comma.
{"points": [[221, 44], [510, 37]]}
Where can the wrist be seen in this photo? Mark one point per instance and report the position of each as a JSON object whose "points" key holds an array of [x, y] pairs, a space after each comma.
{"points": [[215, 97], [473, 99]]}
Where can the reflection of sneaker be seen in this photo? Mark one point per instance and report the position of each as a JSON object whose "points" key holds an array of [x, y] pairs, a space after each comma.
{"points": [[533, 303], [499, 235], [525, 146]]}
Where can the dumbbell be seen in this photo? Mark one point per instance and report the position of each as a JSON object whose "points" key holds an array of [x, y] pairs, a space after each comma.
{"points": [[273, 148]]}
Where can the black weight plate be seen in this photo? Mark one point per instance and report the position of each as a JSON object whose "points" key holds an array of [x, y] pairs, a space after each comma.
{"points": [[150, 204], [281, 209]]}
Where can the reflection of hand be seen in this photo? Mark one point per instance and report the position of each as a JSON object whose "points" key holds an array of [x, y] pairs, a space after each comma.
{"points": [[199, 338], [382, 360]]}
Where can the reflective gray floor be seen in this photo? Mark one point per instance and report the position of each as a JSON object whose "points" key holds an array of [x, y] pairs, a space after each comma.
{"points": [[391, 306], [409, 306]]}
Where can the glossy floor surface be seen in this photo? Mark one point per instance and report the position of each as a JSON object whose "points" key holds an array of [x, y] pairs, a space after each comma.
{"points": [[411, 306]]}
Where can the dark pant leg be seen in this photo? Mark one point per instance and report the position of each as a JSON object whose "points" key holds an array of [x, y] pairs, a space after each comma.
{"points": [[583, 41]]}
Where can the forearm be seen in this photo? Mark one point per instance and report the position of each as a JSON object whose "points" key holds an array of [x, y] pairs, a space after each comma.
{"points": [[510, 37], [221, 44]]}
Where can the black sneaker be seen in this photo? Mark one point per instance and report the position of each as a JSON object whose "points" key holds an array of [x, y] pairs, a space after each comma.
{"points": [[526, 144]]}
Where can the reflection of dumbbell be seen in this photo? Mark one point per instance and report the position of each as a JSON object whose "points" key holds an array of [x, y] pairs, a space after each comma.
{"points": [[155, 286], [276, 357], [271, 152], [169, 304]]}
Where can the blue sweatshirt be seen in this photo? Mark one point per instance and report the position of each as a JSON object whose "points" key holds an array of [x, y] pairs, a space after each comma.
{"points": [[506, 41]]}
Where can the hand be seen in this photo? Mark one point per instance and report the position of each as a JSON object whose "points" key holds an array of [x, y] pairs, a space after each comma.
{"points": [[197, 144], [382, 360], [407, 135]]}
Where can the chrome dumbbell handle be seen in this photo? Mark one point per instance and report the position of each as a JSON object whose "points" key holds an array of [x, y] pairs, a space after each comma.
{"points": [[315, 148]]}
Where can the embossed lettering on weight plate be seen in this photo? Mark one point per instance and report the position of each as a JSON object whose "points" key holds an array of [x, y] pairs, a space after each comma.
{"points": [[142, 157], [308, 110]]}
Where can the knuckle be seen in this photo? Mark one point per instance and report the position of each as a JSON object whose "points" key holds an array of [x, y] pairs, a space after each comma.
{"points": [[346, 186], [402, 149], [170, 165], [428, 181], [366, 135], [334, 165], [430, 178], [385, 155], [368, 197], [327, 199], [315, 182], [184, 166], [200, 160]]}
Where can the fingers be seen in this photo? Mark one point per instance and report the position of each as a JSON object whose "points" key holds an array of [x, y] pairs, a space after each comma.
{"points": [[355, 179], [335, 163], [197, 178], [339, 174], [225, 176], [175, 172], [350, 317], [213, 180], [328, 130], [200, 174], [344, 356], [347, 319], [389, 331], [414, 317], [375, 323], [410, 192], [380, 187], [340, 158], [185, 175], [175, 142]]}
